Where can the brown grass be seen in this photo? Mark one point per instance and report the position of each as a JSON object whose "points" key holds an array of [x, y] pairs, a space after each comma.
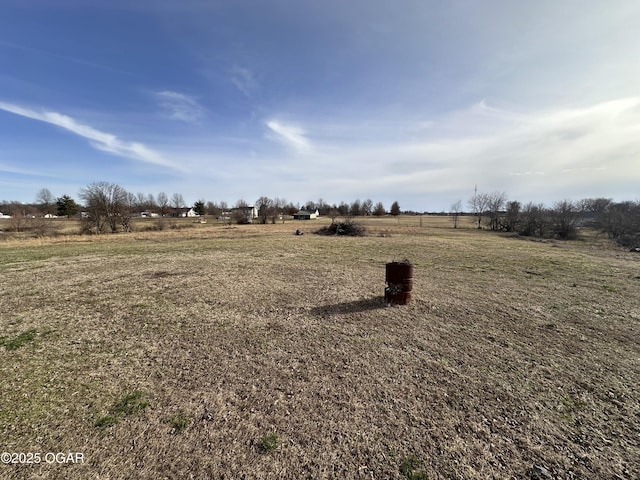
{"points": [[261, 354]]}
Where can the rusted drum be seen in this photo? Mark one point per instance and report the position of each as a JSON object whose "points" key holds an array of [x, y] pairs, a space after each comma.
{"points": [[399, 279]]}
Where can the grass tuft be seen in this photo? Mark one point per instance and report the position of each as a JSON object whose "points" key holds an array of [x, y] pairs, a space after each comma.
{"points": [[128, 405], [106, 421], [268, 443], [409, 466], [17, 342], [178, 422], [131, 403]]}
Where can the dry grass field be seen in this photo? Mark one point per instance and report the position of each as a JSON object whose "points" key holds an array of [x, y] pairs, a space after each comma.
{"points": [[249, 352]]}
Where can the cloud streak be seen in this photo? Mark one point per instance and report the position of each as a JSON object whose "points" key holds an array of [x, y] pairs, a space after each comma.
{"points": [[244, 80], [179, 106], [102, 141], [290, 136]]}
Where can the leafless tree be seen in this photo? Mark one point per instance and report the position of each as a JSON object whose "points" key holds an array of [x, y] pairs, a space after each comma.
{"points": [[18, 213], [177, 201], [213, 209], [238, 215], [126, 212], [565, 216], [265, 208], [105, 204], [495, 204], [367, 207], [46, 201], [478, 205], [621, 222], [534, 220], [323, 207], [511, 220], [356, 208], [333, 214], [279, 205], [163, 204], [456, 209]]}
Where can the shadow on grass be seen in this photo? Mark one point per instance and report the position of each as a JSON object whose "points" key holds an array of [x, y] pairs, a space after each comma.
{"points": [[364, 305]]}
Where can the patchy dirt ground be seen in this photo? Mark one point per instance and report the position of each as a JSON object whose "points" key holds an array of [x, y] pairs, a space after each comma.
{"points": [[249, 352]]}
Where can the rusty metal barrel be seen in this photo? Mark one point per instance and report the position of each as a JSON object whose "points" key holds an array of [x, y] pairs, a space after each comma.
{"points": [[399, 280]]}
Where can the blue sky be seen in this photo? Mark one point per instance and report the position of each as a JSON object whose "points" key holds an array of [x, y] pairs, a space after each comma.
{"points": [[415, 101]]}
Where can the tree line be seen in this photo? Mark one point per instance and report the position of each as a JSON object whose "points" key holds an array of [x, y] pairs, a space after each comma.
{"points": [[620, 221], [108, 207]]}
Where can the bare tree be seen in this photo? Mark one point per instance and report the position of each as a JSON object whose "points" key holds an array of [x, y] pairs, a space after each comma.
{"points": [[495, 204], [151, 203], [356, 208], [279, 205], [163, 204], [534, 220], [367, 207], [456, 209], [621, 222], [512, 216], [265, 206], [323, 207], [177, 201], [18, 213], [141, 201], [126, 212], [478, 205], [106, 203], [333, 214], [213, 209], [565, 216], [225, 214], [239, 215], [46, 201]]}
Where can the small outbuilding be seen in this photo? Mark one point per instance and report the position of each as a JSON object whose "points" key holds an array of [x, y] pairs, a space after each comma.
{"points": [[306, 214]]}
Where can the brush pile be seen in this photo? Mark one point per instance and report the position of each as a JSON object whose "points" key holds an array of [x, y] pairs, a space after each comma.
{"points": [[347, 228]]}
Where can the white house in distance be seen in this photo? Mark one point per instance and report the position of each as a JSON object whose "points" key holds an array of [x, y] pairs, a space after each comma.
{"points": [[190, 212], [248, 213], [305, 214]]}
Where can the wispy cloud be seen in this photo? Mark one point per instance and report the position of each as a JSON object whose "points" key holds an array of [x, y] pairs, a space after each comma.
{"points": [[103, 141], [244, 80], [291, 136], [179, 106]]}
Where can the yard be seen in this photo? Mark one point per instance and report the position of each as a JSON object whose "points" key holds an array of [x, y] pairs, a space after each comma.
{"points": [[249, 352]]}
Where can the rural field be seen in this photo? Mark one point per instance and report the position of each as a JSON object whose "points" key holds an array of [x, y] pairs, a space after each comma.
{"points": [[230, 352]]}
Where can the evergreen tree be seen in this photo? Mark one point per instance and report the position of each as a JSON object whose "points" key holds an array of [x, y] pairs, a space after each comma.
{"points": [[66, 206]]}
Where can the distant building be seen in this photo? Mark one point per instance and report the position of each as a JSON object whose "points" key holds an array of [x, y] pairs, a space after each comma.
{"points": [[305, 214], [183, 212], [247, 214], [147, 214]]}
